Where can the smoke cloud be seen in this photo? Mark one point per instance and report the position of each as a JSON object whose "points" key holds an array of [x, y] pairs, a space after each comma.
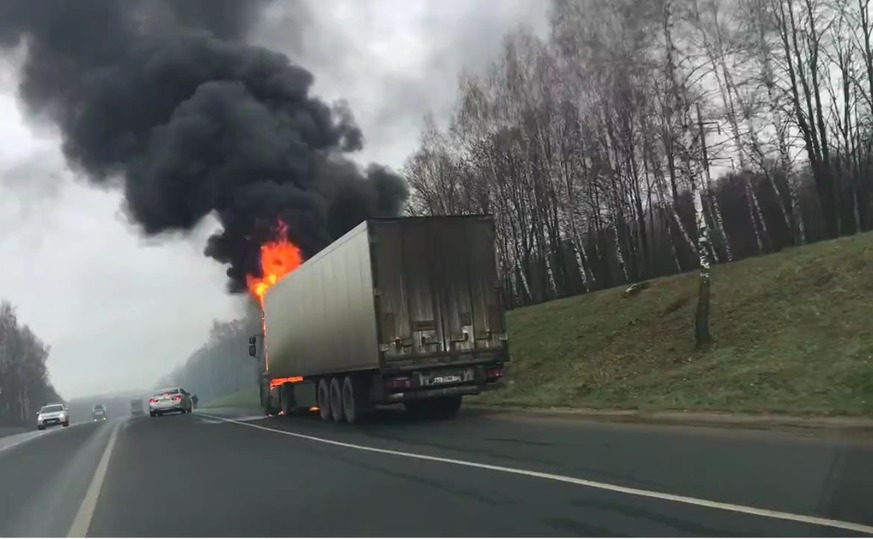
{"points": [[168, 96]]}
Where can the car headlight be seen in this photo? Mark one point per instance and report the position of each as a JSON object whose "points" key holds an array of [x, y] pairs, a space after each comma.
{"points": [[39, 417]]}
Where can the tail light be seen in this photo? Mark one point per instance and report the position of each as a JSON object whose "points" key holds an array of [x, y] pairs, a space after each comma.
{"points": [[398, 382], [493, 373], [153, 401], [177, 398]]}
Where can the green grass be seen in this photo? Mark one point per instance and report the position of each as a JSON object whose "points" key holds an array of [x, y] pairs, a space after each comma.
{"points": [[793, 334], [244, 398]]}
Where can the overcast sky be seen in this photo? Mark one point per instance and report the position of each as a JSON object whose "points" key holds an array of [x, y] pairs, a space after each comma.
{"points": [[118, 311]]}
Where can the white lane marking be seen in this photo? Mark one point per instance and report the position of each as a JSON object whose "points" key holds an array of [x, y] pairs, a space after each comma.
{"points": [[82, 522], [745, 509], [29, 436], [245, 418], [24, 439]]}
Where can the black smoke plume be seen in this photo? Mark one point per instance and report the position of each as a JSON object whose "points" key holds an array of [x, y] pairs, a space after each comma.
{"points": [[168, 96]]}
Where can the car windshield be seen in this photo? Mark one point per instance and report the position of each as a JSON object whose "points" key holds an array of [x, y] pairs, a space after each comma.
{"points": [[98, 408], [52, 408]]}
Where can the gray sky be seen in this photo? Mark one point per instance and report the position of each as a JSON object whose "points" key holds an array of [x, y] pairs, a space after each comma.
{"points": [[118, 311]]}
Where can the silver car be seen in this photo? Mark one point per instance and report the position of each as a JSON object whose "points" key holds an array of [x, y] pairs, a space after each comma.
{"points": [[173, 399], [52, 414]]}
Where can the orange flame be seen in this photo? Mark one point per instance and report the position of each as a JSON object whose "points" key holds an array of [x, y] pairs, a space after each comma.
{"points": [[278, 258], [276, 382]]}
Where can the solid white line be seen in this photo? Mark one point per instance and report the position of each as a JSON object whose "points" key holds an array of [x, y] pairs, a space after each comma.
{"points": [[25, 440], [745, 509], [82, 522]]}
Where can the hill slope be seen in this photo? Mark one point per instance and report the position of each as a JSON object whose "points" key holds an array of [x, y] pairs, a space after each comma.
{"points": [[793, 332]]}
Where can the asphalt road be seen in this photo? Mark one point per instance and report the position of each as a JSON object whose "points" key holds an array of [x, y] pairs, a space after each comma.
{"points": [[229, 475]]}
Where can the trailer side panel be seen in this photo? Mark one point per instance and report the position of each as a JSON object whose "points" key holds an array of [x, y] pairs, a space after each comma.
{"points": [[320, 319]]}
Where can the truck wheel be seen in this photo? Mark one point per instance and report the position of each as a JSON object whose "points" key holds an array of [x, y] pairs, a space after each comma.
{"points": [[435, 408], [417, 409], [354, 400], [286, 399], [336, 400], [266, 403], [324, 400], [448, 406]]}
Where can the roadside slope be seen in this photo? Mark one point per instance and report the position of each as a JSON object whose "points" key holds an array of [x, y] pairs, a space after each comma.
{"points": [[793, 334], [242, 399]]}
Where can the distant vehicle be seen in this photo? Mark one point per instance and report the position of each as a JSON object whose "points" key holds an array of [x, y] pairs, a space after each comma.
{"points": [[98, 413], [136, 407], [52, 414], [400, 310], [174, 399]]}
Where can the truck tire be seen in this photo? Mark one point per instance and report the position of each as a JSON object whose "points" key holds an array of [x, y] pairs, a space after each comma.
{"points": [[324, 400], [286, 399], [435, 408], [355, 405], [336, 399], [447, 407], [266, 403]]}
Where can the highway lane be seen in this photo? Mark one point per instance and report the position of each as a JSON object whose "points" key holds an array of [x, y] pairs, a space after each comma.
{"points": [[44, 475], [198, 475]]}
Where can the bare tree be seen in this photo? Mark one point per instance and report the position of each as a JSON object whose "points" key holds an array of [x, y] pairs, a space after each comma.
{"points": [[24, 381], [588, 148]]}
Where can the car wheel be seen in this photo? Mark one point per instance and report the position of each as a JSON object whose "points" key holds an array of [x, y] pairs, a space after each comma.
{"points": [[40, 427], [66, 423]]}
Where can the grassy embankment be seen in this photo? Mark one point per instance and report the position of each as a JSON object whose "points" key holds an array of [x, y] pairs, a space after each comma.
{"points": [[244, 398], [793, 334]]}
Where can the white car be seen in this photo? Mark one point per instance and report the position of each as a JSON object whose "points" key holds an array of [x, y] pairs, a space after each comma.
{"points": [[173, 399], [53, 414]]}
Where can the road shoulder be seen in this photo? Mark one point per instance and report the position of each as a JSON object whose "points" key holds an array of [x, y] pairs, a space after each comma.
{"points": [[854, 426]]}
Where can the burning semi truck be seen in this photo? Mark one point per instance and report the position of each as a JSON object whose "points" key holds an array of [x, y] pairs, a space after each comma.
{"points": [[403, 310]]}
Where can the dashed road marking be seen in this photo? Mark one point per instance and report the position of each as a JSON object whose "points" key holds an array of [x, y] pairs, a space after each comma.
{"points": [[699, 502]]}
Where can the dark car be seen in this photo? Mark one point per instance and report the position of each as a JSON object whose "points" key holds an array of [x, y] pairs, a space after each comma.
{"points": [[136, 407], [98, 413]]}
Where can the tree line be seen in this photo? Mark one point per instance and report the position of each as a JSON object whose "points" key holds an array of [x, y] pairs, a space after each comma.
{"points": [[222, 365], [24, 379], [591, 146]]}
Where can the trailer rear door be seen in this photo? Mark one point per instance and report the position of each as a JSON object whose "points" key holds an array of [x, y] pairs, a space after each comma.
{"points": [[437, 288]]}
